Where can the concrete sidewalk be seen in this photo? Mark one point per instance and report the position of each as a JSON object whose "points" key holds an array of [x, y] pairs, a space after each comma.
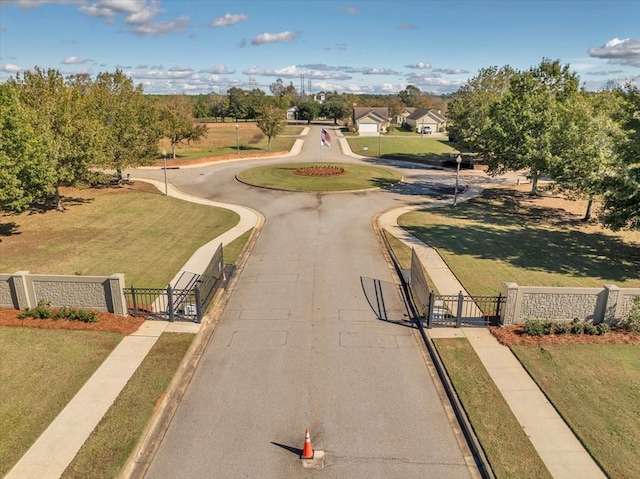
{"points": [[560, 450]]}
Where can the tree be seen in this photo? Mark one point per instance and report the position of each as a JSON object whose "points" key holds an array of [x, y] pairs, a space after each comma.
{"points": [[336, 108], [256, 102], [271, 123], [308, 110], [178, 123], [64, 115], [238, 103], [130, 122], [522, 123], [585, 148], [468, 112], [26, 175], [218, 105], [411, 96], [283, 95], [621, 203]]}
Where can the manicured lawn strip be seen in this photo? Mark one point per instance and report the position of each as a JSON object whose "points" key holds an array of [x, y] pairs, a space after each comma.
{"points": [[221, 140], [400, 250], [40, 372], [146, 236], [596, 389], [503, 440], [232, 250], [486, 243], [417, 148], [282, 177], [106, 451]]}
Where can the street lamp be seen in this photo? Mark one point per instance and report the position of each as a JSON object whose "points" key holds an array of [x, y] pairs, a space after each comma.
{"points": [[379, 143], [237, 140], [164, 156], [455, 196]]}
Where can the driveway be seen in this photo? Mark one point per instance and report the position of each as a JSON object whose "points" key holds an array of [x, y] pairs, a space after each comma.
{"points": [[298, 344]]}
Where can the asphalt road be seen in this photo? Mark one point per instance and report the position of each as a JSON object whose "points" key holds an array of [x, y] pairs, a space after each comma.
{"points": [[299, 345]]}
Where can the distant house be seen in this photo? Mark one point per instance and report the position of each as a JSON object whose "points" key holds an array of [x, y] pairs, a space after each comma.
{"points": [[402, 117], [424, 117], [370, 120], [292, 113]]}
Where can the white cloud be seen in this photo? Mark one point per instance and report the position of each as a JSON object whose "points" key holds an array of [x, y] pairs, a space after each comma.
{"points": [[294, 72], [420, 66], [74, 61], [351, 10], [283, 37], [38, 3], [10, 68], [371, 71], [451, 71], [162, 28], [229, 19], [619, 52], [217, 70]]}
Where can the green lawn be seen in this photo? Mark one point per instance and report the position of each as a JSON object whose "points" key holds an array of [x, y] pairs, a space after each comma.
{"points": [[40, 371], [282, 177], [411, 147], [596, 389], [500, 238], [147, 236], [221, 139], [503, 440], [107, 449]]}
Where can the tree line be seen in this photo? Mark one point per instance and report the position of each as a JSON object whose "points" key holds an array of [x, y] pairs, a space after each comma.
{"points": [[56, 130], [540, 120]]}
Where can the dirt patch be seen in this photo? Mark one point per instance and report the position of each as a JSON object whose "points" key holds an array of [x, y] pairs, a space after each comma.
{"points": [[106, 322], [514, 335], [319, 171]]}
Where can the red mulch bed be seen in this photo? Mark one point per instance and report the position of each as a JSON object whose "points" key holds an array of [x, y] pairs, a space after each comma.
{"points": [[106, 322], [514, 335]]}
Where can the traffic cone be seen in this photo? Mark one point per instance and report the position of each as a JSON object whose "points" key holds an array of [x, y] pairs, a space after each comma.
{"points": [[307, 451]]}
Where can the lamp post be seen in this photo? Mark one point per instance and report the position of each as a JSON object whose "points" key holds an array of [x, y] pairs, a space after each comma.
{"points": [[379, 143], [237, 140], [455, 196], [164, 157], [422, 129]]}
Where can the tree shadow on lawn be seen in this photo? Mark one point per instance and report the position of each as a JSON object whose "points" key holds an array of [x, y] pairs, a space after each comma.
{"points": [[565, 252], [8, 229]]}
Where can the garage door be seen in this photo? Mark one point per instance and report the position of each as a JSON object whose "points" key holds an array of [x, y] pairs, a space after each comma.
{"points": [[368, 128]]}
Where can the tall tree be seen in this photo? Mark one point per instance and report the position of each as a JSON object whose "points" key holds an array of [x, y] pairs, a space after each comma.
{"points": [[64, 115], [178, 122], [256, 102], [621, 204], [130, 121], [411, 96], [218, 105], [26, 175], [520, 135], [238, 103], [308, 110], [336, 108], [271, 123], [468, 113], [585, 142]]}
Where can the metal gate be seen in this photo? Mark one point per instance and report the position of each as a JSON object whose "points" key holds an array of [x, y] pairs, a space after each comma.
{"points": [[459, 310]]}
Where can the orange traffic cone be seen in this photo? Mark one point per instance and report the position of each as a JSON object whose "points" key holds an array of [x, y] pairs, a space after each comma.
{"points": [[307, 452]]}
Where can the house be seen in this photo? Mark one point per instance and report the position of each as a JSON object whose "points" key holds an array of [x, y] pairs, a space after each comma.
{"points": [[292, 113], [424, 117], [402, 117], [370, 120]]}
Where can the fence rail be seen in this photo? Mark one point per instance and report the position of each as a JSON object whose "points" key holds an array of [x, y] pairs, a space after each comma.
{"points": [[459, 310], [168, 304]]}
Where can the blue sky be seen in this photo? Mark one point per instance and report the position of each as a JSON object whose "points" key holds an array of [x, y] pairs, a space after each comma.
{"points": [[374, 46]]}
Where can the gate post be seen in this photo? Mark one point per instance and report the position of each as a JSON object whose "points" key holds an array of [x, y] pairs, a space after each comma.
{"points": [[134, 301], [170, 302], [459, 311], [497, 320], [430, 310], [198, 306]]}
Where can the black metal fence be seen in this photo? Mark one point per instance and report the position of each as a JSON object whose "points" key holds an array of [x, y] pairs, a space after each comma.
{"points": [[460, 310], [187, 300]]}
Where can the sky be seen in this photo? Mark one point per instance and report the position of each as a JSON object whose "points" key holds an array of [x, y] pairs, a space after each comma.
{"points": [[372, 46]]}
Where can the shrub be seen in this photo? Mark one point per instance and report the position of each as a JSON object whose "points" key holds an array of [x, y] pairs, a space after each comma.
{"points": [[577, 326], [590, 328], [603, 328], [561, 327], [42, 311], [632, 322], [534, 327]]}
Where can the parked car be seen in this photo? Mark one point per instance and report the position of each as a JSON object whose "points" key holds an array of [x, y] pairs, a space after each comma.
{"points": [[424, 129]]}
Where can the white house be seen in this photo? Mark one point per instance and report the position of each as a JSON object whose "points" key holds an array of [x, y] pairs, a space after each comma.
{"points": [[371, 120]]}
